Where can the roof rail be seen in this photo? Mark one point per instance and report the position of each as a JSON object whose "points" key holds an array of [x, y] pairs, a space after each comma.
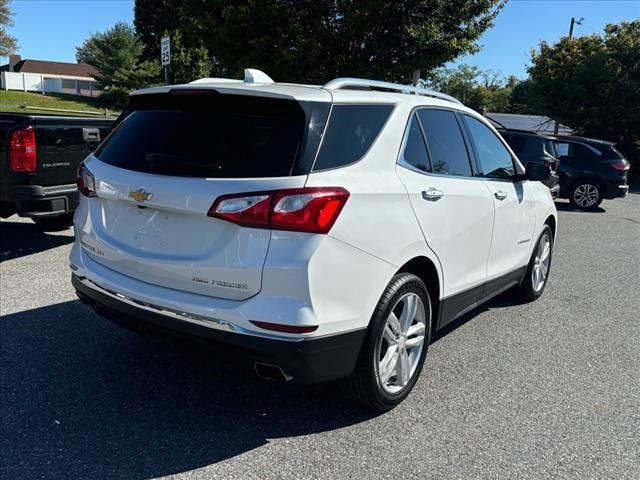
{"points": [[216, 80], [346, 83]]}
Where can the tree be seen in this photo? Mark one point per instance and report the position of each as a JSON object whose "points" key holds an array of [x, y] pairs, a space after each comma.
{"points": [[317, 40], [592, 84], [116, 54], [520, 98], [8, 44], [478, 89], [188, 62]]}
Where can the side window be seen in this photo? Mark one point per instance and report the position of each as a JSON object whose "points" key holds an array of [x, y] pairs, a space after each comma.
{"points": [[562, 149], [495, 160], [581, 153], [351, 131], [445, 142], [414, 152]]}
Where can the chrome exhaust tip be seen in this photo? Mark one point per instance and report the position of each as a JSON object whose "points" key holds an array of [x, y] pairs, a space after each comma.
{"points": [[271, 372]]}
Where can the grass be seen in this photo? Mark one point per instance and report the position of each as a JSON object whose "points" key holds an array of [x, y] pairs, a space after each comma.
{"points": [[15, 102]]}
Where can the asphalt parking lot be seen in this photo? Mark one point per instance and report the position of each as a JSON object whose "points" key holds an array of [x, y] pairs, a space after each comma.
{"points": [[548, 389]]}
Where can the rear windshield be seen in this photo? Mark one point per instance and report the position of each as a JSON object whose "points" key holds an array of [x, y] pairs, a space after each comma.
{"points": [[228, 136], [550, 148]]}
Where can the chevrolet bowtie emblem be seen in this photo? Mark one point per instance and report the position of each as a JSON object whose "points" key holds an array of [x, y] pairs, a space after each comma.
{"points": [[140, 195]]}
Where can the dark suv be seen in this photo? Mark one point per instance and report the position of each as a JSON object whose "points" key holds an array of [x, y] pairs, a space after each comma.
{"points": [[531, 147], [590, 170]]}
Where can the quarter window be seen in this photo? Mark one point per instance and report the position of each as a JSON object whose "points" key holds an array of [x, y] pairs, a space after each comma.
{"points": [[415, 150], [351, 131], [445, 142], [495, 160]]}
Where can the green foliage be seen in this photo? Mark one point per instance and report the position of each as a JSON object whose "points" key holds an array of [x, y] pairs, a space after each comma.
{"points": [[117, 55], [480, 90], [188, 63], [30, 102], [592, 84], [520, 99], [8, 44], [316, 40]]}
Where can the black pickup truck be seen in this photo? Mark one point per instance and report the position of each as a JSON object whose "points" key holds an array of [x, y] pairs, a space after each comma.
{"points": [[39, 156]]}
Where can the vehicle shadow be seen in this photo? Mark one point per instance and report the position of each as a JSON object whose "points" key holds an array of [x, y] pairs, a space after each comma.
{"points": [[505, 299], [82, 398], [19, 239], [566, 207]]}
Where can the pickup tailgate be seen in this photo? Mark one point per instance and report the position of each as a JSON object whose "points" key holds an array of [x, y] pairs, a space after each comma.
{"points": [[62, 143]]}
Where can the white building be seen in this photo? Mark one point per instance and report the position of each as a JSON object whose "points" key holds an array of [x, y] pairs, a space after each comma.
{"points": [[44, 76]]}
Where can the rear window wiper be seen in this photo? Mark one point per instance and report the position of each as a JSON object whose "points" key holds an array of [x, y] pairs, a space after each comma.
{"points": [[171, 160]]}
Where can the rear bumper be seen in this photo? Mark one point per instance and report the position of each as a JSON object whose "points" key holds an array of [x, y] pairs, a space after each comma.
{"points": [[306, 360], [615, 189], [38, 201]]}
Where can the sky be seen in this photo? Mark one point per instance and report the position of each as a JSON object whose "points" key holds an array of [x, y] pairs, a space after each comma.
{"points": [[51, 29]]}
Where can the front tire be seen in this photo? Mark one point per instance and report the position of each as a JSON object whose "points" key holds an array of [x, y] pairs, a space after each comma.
{"points": [[585, 195], [395, 347], [535, 279]]}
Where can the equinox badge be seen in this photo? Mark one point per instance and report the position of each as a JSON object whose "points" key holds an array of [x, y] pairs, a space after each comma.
{"points": [[140, 195]]}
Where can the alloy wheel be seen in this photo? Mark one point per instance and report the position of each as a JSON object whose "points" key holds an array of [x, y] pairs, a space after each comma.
{"points": [[586, 195], [403, 337], [541, 262]]}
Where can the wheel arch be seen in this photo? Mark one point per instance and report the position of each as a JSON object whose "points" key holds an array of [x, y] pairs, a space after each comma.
{"points": [[553, 224], [425, 269], [585, 176]]}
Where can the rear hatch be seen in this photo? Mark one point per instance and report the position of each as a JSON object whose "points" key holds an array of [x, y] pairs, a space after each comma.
{"points": [[160, 170]]}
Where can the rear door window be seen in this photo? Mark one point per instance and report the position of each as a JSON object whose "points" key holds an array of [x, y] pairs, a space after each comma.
{"points": [[216, 136], [349, 134], [445, 142], [577, 152], [494, 158]]}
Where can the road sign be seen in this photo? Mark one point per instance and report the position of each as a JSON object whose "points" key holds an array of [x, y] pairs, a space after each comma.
{"points": [[165, 51]]}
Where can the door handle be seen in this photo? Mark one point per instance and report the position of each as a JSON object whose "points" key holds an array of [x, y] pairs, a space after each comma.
{"points": [[432, 194], [500, 195]]}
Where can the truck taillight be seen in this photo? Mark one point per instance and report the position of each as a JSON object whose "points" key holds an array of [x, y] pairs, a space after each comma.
{"points": [[22, 150], [85, 181], [313, 209]]}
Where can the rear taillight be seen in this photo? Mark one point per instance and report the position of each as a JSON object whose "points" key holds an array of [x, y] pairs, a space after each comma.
{"points": [[621, 166], [313, 210], [85, 181], [22, 150]]}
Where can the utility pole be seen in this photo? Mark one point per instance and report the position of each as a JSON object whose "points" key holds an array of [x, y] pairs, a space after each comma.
{"points": [[574, 22], [571, 25]]}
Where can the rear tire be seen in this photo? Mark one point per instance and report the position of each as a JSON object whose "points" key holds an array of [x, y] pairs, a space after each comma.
{"points": [[58, 222], [533, 285], [400, 329], [585, 195]]}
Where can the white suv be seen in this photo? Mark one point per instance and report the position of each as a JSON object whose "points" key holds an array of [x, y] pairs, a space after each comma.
{"points": [[321, 232]]}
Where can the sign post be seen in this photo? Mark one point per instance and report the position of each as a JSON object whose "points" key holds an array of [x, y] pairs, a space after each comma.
{"points": [[165, 57]]}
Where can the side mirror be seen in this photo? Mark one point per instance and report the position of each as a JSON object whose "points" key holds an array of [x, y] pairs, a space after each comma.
{"points": [[536, 172]]}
